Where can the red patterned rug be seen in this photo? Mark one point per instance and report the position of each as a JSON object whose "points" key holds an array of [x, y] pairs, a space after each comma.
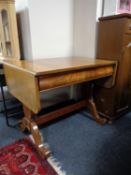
{"points": [[22, 158]]}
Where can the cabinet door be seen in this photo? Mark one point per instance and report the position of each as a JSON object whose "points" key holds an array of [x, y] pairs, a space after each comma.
{"points": [[124, 76], [5, 34], [128, 44]]}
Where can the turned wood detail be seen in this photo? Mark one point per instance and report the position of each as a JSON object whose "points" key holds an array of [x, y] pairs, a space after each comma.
{"points": [[28, 123]]}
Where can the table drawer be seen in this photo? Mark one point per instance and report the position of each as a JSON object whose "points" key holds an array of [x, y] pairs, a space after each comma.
{"points": [[68, 78]]}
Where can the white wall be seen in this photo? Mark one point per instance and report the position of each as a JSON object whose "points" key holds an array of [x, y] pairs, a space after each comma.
{"points": [[24, 28], [109, 7], [85, 28], [51, 24], [99, 11], [58, 28]]}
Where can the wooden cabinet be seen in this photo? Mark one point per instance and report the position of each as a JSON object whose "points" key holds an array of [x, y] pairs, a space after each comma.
{"points": [[114, 43], [9, 42]]}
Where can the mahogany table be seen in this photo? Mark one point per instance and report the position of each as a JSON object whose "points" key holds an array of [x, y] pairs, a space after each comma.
{"points": [[26, 79]]}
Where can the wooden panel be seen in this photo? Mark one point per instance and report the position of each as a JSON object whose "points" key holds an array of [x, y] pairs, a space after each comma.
{"points": [[58, 113], [23, 86], [110, 39], [65, 79], [123, 78]]}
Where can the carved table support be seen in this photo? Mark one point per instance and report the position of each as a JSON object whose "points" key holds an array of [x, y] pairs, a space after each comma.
{"points": [[28, 123], [87, 92], [92, 107]]}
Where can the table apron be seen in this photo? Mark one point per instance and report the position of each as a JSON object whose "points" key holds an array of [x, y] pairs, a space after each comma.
{"points": [[52, 81]]}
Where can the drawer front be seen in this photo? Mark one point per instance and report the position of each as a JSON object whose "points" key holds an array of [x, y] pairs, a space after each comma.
{"points": [[69, 78], [128, 27]]}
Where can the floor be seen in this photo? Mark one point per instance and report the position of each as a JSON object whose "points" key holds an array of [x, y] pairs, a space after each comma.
{"points": [[82, 146]]}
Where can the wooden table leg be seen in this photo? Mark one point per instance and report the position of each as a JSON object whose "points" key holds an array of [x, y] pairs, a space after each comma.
{"points": [[28, 123], [87, 92], [92, 107]]}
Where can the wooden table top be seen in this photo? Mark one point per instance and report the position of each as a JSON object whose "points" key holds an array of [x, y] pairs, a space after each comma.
{"points": [[54, 65]]}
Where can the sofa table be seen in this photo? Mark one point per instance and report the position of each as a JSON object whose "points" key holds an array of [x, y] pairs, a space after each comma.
{"points": [[26, 79]]}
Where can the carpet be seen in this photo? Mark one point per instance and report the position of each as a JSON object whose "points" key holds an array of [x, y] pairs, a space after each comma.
{"points": [[22, 158]]}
